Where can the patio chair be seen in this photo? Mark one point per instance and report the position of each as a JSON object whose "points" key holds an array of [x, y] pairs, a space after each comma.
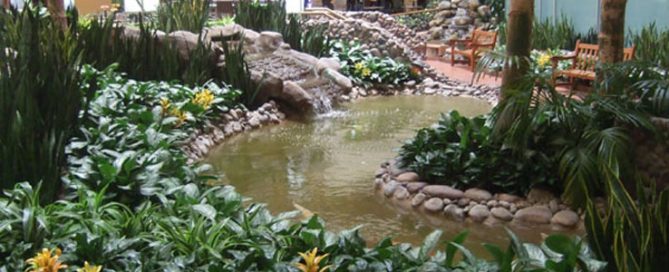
{"points": [[584, 61], [481, 42]]}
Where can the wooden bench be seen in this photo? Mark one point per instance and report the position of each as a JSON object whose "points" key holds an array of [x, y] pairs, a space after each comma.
{"points": [[584, 61], [481, 42]]}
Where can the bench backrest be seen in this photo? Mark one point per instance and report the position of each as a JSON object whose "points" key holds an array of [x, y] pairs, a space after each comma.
{"points": [[587, 56], [484, 37]]}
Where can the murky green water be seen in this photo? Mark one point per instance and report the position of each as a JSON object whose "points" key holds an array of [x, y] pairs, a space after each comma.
{"points": [[327, 165]]}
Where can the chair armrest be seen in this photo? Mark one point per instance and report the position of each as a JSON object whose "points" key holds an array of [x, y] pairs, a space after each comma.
{"points": [[457, 41], [559, 58], [556, 59]]}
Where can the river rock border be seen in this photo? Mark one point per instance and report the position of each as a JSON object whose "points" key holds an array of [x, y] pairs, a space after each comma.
{"points": [[233, 122], [474, 204]]}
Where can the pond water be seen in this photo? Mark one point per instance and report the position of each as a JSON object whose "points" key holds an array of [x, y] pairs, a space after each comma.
{"points": [[327, 165]]}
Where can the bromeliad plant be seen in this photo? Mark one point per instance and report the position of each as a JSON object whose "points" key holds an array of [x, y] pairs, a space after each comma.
{"points": [[367, 70], [129, 132]]}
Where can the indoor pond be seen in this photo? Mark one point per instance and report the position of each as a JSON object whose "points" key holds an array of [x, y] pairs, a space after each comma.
{"points": [[327, 166]]}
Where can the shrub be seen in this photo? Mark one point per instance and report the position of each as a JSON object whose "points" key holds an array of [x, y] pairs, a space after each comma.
{"points": [[40, 99], [652, 45], [417, 21], [145, 57], [549, 34], [188, 15], [365, 69], [270, 16], [237, 74], [461, 152]]}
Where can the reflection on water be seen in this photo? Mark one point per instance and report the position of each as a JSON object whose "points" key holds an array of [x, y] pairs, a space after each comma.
{"points": [[327, 166]]}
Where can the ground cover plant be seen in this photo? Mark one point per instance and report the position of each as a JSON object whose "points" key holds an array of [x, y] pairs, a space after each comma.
{"points": [[368, 70]]}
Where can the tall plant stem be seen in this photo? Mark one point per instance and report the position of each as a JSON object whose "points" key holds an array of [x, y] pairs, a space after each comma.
{"points": [[518, 44]]}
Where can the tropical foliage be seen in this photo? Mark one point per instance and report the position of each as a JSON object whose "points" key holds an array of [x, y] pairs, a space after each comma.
{"points": [[142, 55], [189, 15], [652, 45], [461, 152], [133, 203], [553, 33], [40, 99], [569, 145], [367, 70]]}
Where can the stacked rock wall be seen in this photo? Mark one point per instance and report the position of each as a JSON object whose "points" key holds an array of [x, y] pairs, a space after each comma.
{"points": [[477, 16]]}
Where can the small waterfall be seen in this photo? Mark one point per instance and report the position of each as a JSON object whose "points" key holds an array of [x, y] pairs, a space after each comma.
{"points": [[322, 103], [323, 108]]}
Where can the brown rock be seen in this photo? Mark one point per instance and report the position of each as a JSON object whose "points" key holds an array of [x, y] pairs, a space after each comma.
{"points": [[414, 187], [407, 177], [434, 204], [477, 194], [442, 191], [501, 214], [534, 214], [566, 218], [537, 195]]}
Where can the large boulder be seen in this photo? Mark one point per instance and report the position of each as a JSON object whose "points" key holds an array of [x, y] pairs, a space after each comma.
{"points": [[269, 41], [184, 42]]}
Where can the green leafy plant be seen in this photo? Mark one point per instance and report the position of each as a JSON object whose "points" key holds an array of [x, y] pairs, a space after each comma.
{"points": [[237, 74], [553, 33], [315, 42], [416, 21], [269, 16], [226, 20], [365, 69], [143, 55], [630, 234], [461, 152], [40, 99], [652, 45], [189, 15]]}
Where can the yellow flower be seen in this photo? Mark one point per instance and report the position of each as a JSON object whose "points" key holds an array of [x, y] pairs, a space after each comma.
{"points": [[45, 262], [366, 72], [311, 262], [204, 98], [359, 66], [544, 59], [165, 105], [180, 115], [90, 268]]}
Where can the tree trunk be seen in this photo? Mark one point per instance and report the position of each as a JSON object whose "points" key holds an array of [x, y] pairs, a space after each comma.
{"points": [[612, 32], [57, 10], [518, 44]]}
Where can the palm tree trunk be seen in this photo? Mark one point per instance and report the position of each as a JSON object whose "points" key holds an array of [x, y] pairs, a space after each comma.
{"points": [[518, 44], [57, 9], [612, 32]]}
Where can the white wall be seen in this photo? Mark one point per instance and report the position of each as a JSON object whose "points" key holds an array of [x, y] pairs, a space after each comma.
{"points": [[294, 5], [134, 5]]}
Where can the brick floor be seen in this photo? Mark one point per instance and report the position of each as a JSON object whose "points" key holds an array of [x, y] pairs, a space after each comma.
{"points": [[462, 73]]}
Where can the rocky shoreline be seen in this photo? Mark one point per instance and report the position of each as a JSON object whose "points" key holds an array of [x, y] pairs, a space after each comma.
{"points": [[539, 207], [235, 121]]}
